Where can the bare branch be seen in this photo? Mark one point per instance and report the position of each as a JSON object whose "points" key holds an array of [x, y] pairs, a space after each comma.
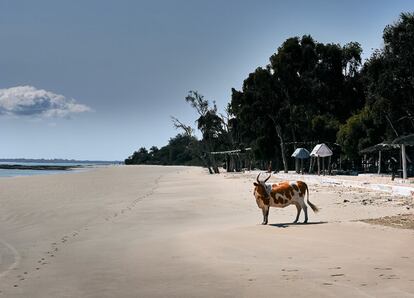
{"points": [[188, 130]]}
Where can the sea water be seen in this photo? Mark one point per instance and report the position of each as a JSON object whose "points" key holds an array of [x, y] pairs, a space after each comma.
{"points": [[15, 172]]}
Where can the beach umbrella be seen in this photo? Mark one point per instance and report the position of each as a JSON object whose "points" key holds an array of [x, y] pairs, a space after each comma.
{"points": [[301, 153], [321, 150]]}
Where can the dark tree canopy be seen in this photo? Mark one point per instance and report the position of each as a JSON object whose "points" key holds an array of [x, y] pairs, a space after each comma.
{"points": [[305, 93], [388, 78]]}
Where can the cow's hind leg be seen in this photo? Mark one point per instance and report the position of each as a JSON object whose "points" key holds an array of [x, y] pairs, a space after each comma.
{"points": [[265, 210], [299, 209], [305, 210]]}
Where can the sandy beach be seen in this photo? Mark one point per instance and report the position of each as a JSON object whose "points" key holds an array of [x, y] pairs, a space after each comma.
{"points": [[148, 231]]}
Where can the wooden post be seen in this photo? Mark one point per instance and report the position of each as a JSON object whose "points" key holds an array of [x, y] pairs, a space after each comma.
{"points": [[301, 166], [364, 163], [296, 165], [379, 162], [310, 165], [404, 161], [323, 165], [319, 166], [329, 165]]}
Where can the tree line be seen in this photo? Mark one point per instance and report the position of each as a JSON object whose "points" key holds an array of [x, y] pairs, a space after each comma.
{"points": [[310, 92]]}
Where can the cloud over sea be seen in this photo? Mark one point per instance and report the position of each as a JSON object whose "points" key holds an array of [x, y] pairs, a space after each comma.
{"points": [[29, 101]]}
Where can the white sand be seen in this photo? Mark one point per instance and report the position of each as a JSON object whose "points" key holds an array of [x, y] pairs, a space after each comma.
{"points": [[179, 232]]}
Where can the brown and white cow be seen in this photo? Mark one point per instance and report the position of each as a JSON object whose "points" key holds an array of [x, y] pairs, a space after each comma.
{"points": [[282, 195]]}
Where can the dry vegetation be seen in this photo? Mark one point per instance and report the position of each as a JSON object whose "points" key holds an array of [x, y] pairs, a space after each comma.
{"points": [[402, 221]]}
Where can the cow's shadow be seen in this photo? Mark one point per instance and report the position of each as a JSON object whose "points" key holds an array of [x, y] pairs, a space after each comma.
{"points": [[288, 224]]}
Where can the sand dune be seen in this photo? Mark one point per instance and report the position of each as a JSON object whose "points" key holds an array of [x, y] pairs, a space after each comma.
{"points": [[179, 232]]}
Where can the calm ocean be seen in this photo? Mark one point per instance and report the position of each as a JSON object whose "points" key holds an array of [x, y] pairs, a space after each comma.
{"points": [[14, 172]]}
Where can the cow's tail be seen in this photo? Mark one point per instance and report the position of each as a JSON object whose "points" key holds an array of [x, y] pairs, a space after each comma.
{"points": [[314, 208]]}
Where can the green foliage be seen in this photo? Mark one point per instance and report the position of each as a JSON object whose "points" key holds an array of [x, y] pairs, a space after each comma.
{"points": [[389, 76], [177, 152], [357, 133]]}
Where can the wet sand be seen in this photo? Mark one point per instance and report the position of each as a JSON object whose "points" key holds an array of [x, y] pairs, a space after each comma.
{"points": [[178, 232]]}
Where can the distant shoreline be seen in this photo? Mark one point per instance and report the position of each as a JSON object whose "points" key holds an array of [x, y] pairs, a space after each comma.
{"points": [[57, 160], [38, 167]]}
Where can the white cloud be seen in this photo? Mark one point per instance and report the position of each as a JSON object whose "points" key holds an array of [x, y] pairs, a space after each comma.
{"points": [[29, 101]]}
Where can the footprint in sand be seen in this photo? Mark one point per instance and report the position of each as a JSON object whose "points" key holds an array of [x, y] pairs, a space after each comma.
{"points": [[290, 270], [327, 284], [339, 274]]}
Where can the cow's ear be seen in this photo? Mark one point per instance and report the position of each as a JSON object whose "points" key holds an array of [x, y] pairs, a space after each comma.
{"points": [[255, 184]]}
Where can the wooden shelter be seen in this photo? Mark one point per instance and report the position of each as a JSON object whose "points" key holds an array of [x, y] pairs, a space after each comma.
{"points": [[381, 147], [404, 141], [235, 159]]}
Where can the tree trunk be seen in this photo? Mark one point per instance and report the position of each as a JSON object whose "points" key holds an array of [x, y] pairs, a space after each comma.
{"points": [[379, 162], [282, 147], [211, 159]]}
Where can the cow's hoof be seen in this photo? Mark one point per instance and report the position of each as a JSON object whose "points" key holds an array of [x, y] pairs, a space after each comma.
{"points": [[264, 223], [305, 222], [295, 221]]}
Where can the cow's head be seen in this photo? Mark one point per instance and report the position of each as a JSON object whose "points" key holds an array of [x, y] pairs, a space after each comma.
{"points": [[260, 187]]}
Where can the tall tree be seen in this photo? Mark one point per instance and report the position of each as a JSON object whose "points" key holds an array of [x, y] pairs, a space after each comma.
{"points": [[303, 95], [388, 79], [209, 123]]}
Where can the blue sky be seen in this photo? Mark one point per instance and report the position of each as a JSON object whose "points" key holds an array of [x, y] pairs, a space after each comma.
{"points": [[99, 79]]}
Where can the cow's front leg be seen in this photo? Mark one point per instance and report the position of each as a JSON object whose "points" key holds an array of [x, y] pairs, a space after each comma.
{"points": [[265, 211]]}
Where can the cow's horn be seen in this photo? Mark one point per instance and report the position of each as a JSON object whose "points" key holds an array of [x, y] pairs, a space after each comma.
{"points": [[258, 178], [268, 177]]}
